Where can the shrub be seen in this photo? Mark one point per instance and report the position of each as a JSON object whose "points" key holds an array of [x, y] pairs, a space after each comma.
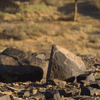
{"points": [[11, 10]]}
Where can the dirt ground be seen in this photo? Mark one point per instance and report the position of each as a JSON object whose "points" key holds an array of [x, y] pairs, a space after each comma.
{"points": [[81, 37]]}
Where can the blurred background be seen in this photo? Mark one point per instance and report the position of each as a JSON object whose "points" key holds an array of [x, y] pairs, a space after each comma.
{"points": [[34, 25]]}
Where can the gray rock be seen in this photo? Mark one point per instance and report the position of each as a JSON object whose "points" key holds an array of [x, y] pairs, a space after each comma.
{"points": [[41, 56], [89, 91], [38, 96], [52, 93], [63, 64], [26, 94], [88, 77], [72, 92], [4, 97], [15, 66], [95, 84]]}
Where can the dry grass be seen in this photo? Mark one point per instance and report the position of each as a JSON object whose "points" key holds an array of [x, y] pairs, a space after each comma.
{"points": [[41, 28]]}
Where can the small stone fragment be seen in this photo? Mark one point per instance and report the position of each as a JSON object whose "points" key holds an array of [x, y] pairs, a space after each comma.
{"points": [[88, 77], [34, 90], [88, 91], [59, 83], [41, 56], [38, 96], [52, 93], [26, 94]]}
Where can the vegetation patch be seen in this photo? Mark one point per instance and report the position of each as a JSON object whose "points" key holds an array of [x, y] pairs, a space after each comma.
{"points": [[21, 32], [35, 8]]}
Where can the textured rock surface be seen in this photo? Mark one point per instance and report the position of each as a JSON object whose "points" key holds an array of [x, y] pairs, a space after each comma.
{"points": [[85, 86], [64, 64], [16, 65]]}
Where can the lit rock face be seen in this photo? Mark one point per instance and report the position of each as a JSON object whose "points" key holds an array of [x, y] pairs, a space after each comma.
{"points": [[63, 64]]}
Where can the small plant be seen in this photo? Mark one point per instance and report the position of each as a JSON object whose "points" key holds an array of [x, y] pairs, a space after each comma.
{"points": [[11, 10], [93, 39]]}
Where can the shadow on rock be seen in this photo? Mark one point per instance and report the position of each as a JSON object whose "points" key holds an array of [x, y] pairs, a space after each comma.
{"points": [[14, 74]]}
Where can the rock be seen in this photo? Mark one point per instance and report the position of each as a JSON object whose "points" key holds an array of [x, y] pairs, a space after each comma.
{"points": [[26, 94], [34, 90], [44, 67], [41, 56], [90, 61], [4, 97], [63, 64], [95, 84], [89, 91], [83, 98], [38, 96], [25, 67], [58, 83], [52, 93], [85, 83], [88, 77], [15, 66], [72, 92]]}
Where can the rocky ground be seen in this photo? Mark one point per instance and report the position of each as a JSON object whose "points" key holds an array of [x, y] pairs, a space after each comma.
{"points": [[60, 75]]}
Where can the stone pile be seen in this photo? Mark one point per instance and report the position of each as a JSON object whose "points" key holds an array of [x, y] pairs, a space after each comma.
{"points": [[60, 75]]}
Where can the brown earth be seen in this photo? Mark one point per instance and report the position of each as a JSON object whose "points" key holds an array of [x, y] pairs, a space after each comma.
{"points": [[81, 37]]}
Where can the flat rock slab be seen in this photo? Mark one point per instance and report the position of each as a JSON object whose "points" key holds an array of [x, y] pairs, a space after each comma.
{"points": [[17, 65], [63, 64]]}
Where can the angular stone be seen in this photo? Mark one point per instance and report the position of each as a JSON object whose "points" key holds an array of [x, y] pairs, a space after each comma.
{"points": [[26, 94], [4, 97], [72, 92], [52, 93], [38, 96], [88, 77], [63, 64], [58, 83], [15, 53], [95, 84], [41, 56], [34, 91], [47, 55], [88, 91]]}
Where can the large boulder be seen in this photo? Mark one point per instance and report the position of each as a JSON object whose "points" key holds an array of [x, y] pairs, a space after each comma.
{"points": [[63, 64], [17, 65]]}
